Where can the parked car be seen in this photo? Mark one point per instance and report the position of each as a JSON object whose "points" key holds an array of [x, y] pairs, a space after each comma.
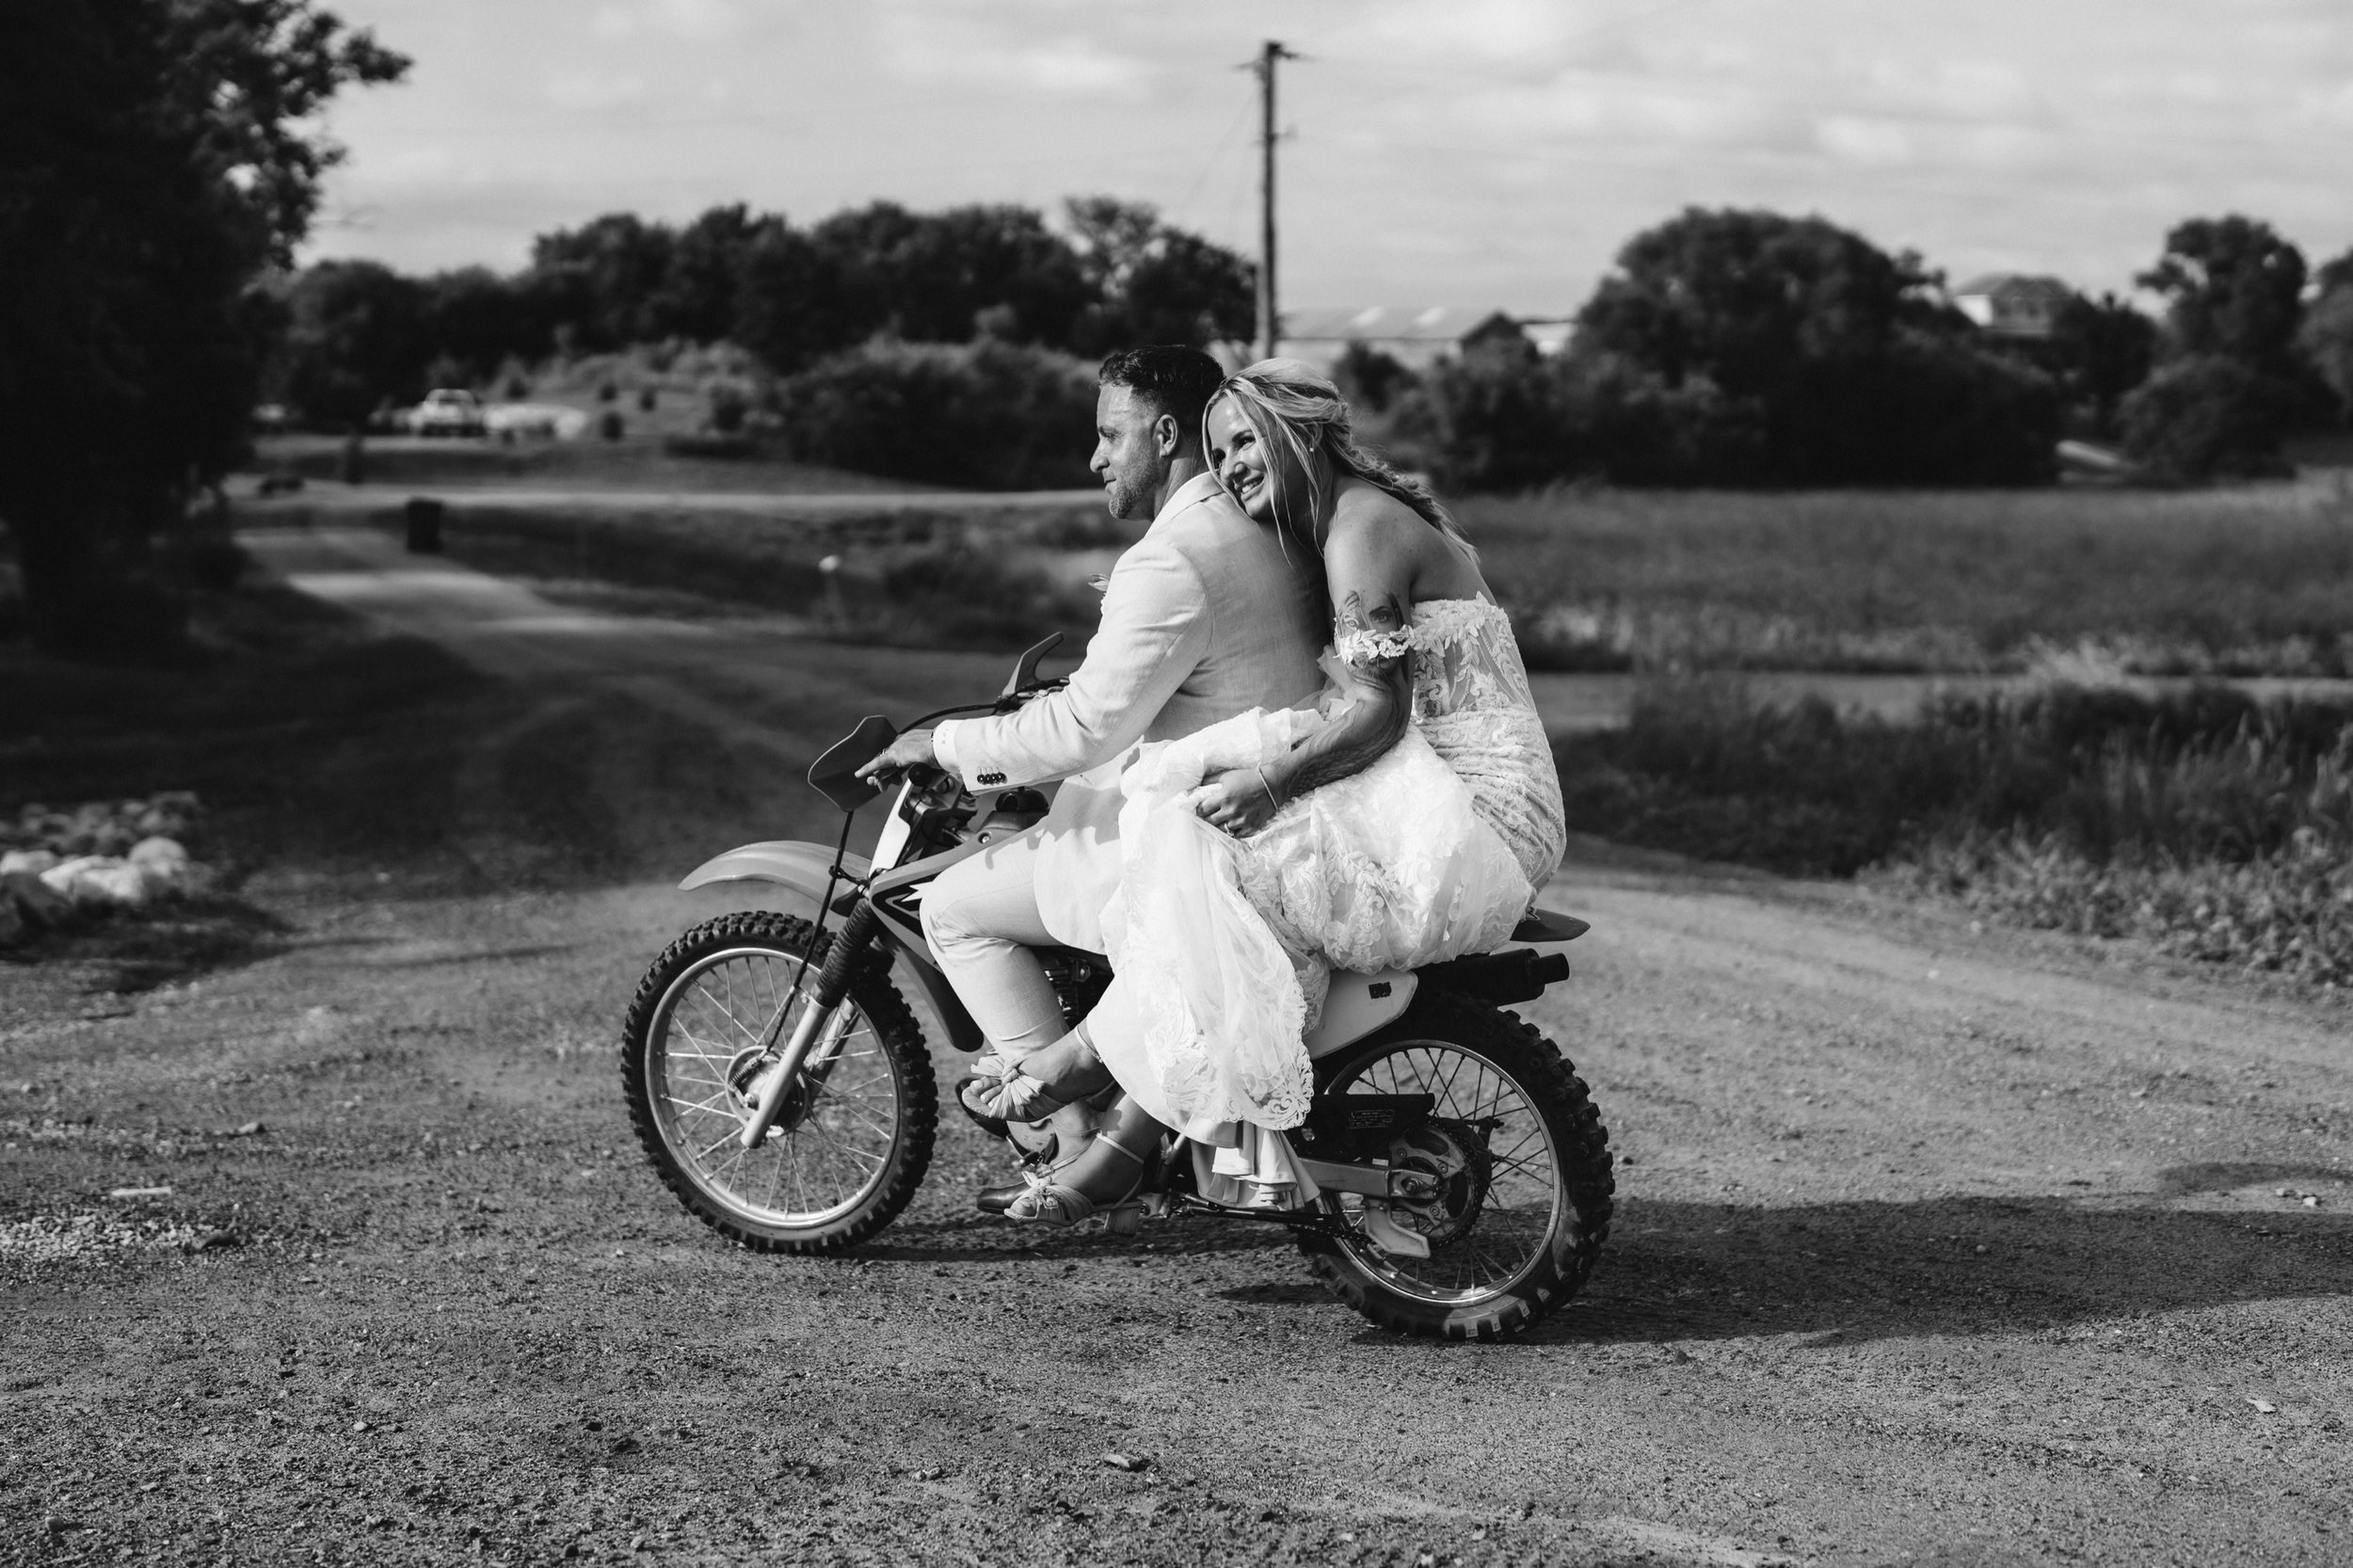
{"points": [[446, 411]]}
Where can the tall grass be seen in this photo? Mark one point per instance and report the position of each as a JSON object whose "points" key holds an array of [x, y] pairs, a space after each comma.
{"points": [[2256, 579], [2216, 826]]}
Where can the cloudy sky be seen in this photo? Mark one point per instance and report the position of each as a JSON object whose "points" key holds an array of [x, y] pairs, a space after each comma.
{"points": [[1470, 152]]}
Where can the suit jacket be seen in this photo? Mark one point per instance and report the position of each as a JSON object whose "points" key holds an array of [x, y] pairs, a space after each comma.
{"points": [[1203, 618]]}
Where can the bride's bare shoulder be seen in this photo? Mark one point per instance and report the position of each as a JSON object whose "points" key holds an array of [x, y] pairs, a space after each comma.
{"points": [[1368, 518]]}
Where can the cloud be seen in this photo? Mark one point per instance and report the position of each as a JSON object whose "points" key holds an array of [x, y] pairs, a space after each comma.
{"points": [[699, 21], [937, 45], [593, 90], [1856, 139]]}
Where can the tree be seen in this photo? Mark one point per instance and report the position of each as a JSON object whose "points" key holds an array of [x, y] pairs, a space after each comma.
{"points": [[698, 298], [1155, 282], [358, 337], [2102, 350], [605, 276], [1112, 236], [2234, 288], [2326, 338], [479, 321], [795, 302], [1813, 358], [1743, 298], [928, 276], [1190, 292], [156, 157]]}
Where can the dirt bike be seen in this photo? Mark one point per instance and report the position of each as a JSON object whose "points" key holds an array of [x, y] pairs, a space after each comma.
{"points": [[783, 1088]]}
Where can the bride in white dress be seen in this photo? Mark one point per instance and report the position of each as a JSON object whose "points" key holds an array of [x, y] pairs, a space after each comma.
{"points": [[1409, 819]]}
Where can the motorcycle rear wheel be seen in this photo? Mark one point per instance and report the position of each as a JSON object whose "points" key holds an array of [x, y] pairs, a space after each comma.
{"points": [[839, 1163], [1520, 1171]]}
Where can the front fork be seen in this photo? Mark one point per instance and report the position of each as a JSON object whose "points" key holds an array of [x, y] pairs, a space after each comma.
{"points": [[823, 1022]]}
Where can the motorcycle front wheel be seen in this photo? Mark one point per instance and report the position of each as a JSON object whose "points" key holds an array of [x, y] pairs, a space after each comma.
{"points": [[1508, 1181], [852, 1140]]}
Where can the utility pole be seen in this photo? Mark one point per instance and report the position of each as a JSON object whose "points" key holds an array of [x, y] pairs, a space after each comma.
{"points": [[1270, 327]]}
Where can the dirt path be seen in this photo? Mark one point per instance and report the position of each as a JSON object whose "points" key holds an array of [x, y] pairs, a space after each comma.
{"points": [[328, 498], [1935, 1245]]}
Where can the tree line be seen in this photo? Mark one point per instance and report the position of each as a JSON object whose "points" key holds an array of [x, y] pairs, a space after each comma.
{"points": [[1741, 347], [359, 335]]}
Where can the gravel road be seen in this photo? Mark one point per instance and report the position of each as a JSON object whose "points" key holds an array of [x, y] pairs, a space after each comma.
{"points": [[1936, 1245]]}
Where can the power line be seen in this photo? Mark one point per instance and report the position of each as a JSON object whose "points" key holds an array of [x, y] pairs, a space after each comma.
{"points": [[1219, 151]]}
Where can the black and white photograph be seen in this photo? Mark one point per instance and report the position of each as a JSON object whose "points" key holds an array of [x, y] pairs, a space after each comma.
{"points": [[1391, 783]]}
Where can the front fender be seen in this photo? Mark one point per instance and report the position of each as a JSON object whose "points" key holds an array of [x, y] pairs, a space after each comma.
{"points": [[806, 868]]}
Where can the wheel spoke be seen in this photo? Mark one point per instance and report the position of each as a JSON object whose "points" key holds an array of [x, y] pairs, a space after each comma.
{"points": [[850, 1122], [1500, 1225]]}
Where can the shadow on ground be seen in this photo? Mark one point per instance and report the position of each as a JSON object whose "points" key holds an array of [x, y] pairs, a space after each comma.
{"points": [[1957, 1266]]}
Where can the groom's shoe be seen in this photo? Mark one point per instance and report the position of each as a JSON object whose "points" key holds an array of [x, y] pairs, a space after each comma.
{"points": [[996, 1200]]}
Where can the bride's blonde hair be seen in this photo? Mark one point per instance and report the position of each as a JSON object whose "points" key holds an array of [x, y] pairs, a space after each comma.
{"points": [[1293, 407]]}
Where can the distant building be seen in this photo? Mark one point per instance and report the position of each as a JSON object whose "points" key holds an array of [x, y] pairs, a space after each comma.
{"points": [[1416, 337], [2014, 304]]}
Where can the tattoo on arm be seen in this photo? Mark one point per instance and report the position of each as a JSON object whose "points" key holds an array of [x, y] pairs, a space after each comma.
{"points": [[1383, 707], [1387, 615]]}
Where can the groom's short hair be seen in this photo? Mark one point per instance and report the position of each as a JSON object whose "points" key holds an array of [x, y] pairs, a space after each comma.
{"points": [[1176, 380]]}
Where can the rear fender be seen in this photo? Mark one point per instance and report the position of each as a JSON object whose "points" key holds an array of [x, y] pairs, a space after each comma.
{"points": [[1357, 1005], [806, 869]]}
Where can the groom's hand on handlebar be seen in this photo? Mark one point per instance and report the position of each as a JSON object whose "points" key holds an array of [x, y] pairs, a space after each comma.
{"points": [[1238, 802], [910, 750]]}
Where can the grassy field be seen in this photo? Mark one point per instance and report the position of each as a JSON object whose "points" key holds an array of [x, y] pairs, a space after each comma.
{"points": [[2250, 581], [639, 461]]}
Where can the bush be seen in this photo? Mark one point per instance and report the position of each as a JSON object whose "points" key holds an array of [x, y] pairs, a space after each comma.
{"points": [[1492, 420], [990, 415], [729, 405], [2217, 826], [2206, 417]]}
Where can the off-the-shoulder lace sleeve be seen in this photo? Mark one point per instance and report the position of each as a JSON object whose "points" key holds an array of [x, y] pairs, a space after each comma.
{"points": [[1364, 646]]}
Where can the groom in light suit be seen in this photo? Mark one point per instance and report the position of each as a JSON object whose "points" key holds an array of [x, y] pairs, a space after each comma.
{"points": [[1208, 615]]}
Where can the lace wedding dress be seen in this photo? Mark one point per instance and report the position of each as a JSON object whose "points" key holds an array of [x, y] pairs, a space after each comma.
{"points": [[1223, 947]]}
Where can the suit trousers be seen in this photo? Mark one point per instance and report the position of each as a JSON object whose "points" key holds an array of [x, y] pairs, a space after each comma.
{"points": [[981, 920]]}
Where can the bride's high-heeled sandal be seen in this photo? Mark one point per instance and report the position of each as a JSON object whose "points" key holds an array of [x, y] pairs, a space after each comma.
{"points": [[1054, 1202]]}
